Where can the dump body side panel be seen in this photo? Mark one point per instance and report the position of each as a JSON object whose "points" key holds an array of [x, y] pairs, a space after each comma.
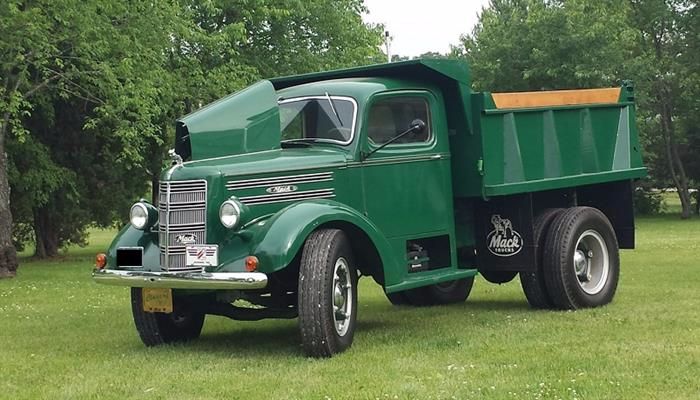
{"points": [[543, 148]]}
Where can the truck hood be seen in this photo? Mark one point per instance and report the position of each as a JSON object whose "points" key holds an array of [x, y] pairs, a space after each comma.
{"points": [[245, 122], [258, 163]]}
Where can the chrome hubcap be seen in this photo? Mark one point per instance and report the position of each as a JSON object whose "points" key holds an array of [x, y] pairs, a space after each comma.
{"points": [[591, 262], [342, 296]]}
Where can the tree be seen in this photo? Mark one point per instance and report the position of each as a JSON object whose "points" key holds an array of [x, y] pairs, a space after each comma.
{"points": [[534, 44], [80, 89], [667, 33]]}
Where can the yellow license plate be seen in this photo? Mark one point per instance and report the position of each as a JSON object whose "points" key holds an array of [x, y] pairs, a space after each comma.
{"points": [[157, 300]]}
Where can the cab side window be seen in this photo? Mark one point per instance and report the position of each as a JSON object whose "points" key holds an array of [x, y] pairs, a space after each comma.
{"points": [[390, 117]]}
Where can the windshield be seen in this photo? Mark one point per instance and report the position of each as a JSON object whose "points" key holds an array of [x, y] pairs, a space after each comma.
{"points": [[321, 118]]}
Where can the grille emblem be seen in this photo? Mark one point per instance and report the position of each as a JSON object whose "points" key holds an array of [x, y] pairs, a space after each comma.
{"points": [[185, 239], [281, 189]]}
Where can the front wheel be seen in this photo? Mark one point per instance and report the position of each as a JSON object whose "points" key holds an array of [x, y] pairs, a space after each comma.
{"points": [[183, 324], [327, 293], [581, 260]]}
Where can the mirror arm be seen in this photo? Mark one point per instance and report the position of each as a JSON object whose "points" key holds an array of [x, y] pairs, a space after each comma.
{"points": [[390, 141]]}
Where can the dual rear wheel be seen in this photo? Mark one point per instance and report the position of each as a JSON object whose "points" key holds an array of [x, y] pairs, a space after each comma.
{"points": [[578, 263]]}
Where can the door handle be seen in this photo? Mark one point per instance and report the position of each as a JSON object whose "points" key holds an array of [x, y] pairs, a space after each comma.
{"points": [[436, 157]]}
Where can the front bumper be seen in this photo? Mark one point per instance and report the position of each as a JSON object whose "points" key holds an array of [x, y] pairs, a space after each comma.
{"points": [[183, 280]]}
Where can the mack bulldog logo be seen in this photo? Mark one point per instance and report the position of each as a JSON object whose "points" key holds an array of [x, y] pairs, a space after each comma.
{"points": [[187, 238], [281, 189], [503, 240]]}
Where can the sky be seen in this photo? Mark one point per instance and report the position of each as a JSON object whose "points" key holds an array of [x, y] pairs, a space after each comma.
{"points": [[419, 26]]}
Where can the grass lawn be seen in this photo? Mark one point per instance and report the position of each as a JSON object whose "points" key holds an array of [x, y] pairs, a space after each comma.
{"points": [[62, 336]]}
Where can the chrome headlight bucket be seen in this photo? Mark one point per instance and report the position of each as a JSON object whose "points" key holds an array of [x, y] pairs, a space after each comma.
{"points": [[230, 213], [143, 215]]}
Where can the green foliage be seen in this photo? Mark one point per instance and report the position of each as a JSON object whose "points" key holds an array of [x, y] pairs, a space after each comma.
{"points": [[647, 201], [533, 45], [91, 90]]}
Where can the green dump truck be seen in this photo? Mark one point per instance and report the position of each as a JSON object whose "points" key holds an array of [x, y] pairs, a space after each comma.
{"points": [[282, 195]]}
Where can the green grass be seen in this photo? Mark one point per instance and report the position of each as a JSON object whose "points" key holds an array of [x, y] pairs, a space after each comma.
{"points": [[62, 336]]}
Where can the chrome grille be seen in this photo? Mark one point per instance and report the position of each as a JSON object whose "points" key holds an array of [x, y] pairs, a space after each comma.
{"points": [[182, 210]]}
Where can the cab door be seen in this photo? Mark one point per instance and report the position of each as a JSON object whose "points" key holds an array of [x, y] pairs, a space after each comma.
{"points": [[407, 184]]}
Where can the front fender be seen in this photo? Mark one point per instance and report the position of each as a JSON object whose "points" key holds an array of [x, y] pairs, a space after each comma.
{"points": [[132, 237], [278, 239]]}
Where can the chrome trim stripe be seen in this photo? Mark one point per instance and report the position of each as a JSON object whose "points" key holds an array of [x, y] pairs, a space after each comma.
{"points": [[279, 180], [294, 196], [184, 280], [401, 159]]}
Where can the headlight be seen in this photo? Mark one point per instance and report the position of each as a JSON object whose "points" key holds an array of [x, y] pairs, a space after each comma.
{"points": [[142, 215], [230, 213]]}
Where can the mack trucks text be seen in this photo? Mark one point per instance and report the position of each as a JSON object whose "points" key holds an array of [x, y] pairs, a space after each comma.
{"points": [[282, 195]]}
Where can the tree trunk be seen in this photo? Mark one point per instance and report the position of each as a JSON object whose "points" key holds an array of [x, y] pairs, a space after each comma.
{"points": [[46, 237], [154, 189], [8, 253], [675, 164]]}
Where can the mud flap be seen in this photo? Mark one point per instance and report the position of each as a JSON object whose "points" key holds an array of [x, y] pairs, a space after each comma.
{"points": [[504, 229]]}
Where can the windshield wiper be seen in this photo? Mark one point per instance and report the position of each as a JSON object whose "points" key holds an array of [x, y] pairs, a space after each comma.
{"points": [[330, 100], [306, 142]]}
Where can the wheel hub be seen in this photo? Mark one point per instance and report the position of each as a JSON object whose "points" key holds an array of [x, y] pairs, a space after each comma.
{"points": [[339, 296], [581, 265], [342, 296], [591, 262]]}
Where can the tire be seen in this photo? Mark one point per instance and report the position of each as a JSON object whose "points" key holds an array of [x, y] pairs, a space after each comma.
{"points": [[498, 277], [327, 294], [440, 293], [182, 325], [581, 259], [533, 282]]}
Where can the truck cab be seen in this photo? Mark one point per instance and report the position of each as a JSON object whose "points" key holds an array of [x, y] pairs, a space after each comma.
{"points": [[283, 194]]}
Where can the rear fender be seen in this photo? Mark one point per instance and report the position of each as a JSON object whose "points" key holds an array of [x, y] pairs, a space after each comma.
{"points": [[278, 240]]}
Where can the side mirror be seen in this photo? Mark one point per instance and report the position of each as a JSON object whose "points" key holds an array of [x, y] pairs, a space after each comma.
{"points": [[417, 125]]}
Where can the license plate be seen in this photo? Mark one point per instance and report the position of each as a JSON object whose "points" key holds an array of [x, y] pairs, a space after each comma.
{"points": [[157, 300], [202, 255]]}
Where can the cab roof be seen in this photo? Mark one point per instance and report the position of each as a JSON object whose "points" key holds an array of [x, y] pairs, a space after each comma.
{"points": [[358, 88], [438, 71]]}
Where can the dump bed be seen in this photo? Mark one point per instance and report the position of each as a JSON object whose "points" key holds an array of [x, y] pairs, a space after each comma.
{"points": [[534, 141]]}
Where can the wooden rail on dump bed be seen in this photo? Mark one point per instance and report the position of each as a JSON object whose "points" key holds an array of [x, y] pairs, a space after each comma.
{"points": [[556, 98]]}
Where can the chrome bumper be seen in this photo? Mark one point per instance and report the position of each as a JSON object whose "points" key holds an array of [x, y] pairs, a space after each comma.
{"points": [[183, 280]]}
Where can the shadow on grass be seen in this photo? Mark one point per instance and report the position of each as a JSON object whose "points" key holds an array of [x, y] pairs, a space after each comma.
{"points": [[256, 339], [251, 339], [469, 306], [497, 305]]}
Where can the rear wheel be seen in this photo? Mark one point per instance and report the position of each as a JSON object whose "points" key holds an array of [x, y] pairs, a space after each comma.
{"points": [[440, 293], [532, 282], [183, 324], [498, 277], [581, 259], [327, 294]]}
